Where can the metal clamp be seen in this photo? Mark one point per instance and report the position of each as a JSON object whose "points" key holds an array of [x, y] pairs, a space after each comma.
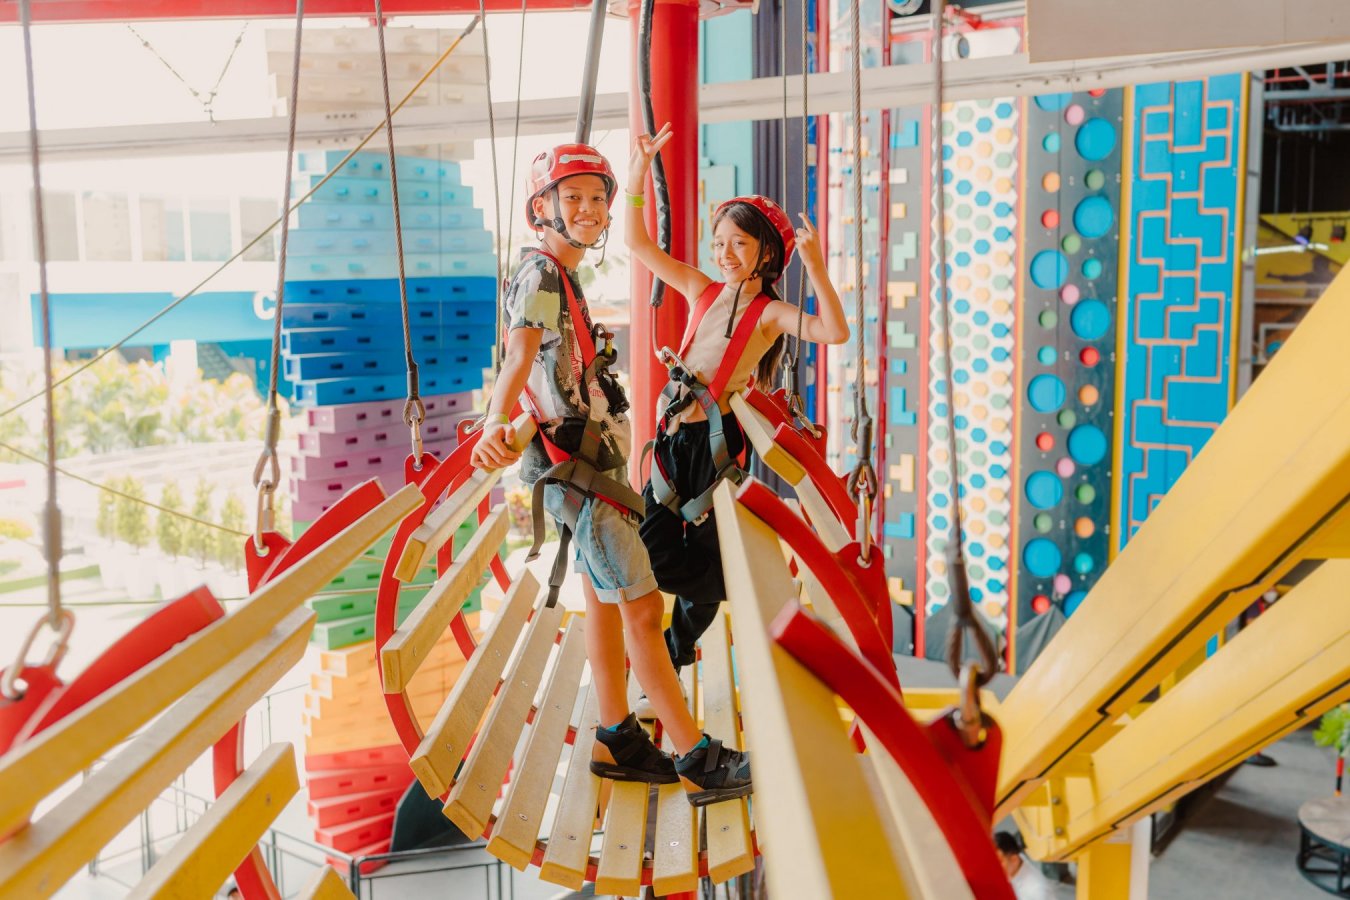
{"points": [[969, 717], [9, 681]]}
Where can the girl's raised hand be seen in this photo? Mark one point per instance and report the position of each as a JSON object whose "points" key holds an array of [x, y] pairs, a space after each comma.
{"points": [[645, 149], [808, 242]]}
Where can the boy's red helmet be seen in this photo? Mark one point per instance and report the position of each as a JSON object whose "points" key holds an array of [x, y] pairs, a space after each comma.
{"points": [[774, 213], [564, 161]]}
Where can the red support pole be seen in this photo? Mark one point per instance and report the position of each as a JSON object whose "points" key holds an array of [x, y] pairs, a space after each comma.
{"points": [[674, 99]]}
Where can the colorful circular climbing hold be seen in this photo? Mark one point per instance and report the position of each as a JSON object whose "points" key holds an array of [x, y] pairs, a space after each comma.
{"points": [[1088, 394], [1092, 268], [1095, 179], [1048, 318], [1071, 244], [1090, 320], [1044, 490], [1093, 217], [1045, 442], [1090, 356], [1073, 601], [1041, 557], [1087, 445], [1046, 355], [1049, 268], [1095, 140], [1083, 563], [1064, 467], [1062, 583], [1084, 527], [1043, 522], [1050, 183], [1085, 493], [1050, 218], [1046, 393], [1069, 294], [1074, 115], [1050, 144], [1040, 604], [1054, 102]]}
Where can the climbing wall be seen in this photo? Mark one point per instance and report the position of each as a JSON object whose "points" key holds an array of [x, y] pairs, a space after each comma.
{"points": [[1181, 264], [981, 179], [1066, 347]]}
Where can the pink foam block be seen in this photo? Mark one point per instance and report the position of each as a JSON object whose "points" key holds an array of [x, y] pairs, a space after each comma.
{"points": [[354, 416], [381, 437]]}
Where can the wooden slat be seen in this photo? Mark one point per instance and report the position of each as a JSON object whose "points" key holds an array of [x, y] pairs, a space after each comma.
{"points": [[620, 868], [730, 847], [438, 756], [37, 767], [920, 849], [217, 842], [419, 634], [569, 843], [521, 818], [325, 885], [441, 523], [818, 818], [480, 781], [675, 848], [37, 860]]}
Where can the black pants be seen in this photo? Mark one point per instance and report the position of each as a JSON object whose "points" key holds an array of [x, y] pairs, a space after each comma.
{"points": [[686, 558]]}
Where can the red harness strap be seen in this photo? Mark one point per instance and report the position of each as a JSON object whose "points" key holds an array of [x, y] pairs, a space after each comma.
{"points": [[740, 337]]}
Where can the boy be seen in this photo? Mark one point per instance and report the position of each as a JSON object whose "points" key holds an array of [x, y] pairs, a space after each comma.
{"points": [[551, 363]]}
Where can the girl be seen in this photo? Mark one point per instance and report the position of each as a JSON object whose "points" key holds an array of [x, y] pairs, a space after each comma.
{"points": [[734, 339]]}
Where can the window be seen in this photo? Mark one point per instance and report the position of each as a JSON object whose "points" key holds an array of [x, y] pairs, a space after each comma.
{"points": [[63, 240], [254, 216], [162, 238], [209, 219], [107, 227]]}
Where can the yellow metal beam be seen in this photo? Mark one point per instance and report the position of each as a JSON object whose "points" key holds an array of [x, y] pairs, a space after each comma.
{"points": [[1283, 670], [1247, 510]]}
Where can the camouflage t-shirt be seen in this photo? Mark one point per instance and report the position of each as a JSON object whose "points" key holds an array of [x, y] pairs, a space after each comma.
{"points": [[535, 299]]}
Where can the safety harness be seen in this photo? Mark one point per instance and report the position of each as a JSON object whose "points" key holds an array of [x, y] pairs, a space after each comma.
{"points": [[707, 396], [578, 473]]}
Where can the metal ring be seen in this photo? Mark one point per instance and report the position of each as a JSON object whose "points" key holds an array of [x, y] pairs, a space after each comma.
{"points": [[264, 519], [969, 717], [58, 650]]}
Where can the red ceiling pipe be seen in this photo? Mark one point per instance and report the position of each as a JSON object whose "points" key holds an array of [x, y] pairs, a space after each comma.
{"points": [[142, 10]]}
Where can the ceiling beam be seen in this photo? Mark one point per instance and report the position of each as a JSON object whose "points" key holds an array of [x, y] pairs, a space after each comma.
{"points": [[760, 98], [71, 11]]}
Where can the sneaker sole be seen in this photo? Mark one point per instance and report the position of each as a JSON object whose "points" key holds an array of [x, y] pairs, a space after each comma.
{"points": [[716, 795], [623, 773]]}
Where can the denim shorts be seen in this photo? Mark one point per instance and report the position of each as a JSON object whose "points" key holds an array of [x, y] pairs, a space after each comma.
{"points": [[608, 548]]}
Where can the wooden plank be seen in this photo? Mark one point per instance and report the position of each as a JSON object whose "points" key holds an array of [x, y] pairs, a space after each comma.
{"points": [[438, 756], [822, 835], [676, 847], [439, 526], [521, 818], [37, 767], [480, 781], [217, 842], [620, 868], [414, 640], [569, 843], [731, 849], [325, 885], [759, 431], [37, 860]]}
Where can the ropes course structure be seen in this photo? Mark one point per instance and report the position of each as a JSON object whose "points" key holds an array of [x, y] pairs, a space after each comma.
{"points": [[866, 787]]}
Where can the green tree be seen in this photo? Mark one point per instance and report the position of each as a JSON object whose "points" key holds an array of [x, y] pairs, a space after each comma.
{"points": [[170, 530], [230, 546], [106, 522], [133, 522], [197, 541]]}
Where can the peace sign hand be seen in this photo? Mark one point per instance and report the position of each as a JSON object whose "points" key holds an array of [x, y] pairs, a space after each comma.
{"points": [[645, 148]]}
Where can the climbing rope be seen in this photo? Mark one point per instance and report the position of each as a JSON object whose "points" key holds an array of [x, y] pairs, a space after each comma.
{"points": [[660, 190], [267, 471], [174, 304], [57, 619], [862, 481], [414, 411], [792, 361], [496, 189], [971, 676], [209, 102], [515, 148]]}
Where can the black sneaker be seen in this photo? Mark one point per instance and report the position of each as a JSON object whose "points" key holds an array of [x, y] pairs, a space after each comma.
{"points": [[713, 773], [634, 756]]}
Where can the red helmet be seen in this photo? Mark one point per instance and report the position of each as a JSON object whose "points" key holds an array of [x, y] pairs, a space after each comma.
{"points": [[777, 219], [564, 161]]}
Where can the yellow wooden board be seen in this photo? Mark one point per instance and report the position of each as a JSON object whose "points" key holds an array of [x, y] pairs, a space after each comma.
{"points": [[620, 869], [569, 842], [731, 849], [325, 885]]}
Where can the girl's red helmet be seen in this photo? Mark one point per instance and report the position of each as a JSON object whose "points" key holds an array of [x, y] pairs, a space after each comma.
{"points": [[564, 161], [774, 213]]}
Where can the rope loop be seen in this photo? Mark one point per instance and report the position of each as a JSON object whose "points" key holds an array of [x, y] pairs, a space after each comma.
{"points": [[9, 687]]}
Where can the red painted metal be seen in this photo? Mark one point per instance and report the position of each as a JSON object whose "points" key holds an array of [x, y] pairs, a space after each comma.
{"points": [[924, 755], [324, 784], [774, 407], [674, 100], [851, 587], [40, 681]]}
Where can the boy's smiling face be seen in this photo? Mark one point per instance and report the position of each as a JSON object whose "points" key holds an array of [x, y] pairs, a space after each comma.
{"points": [[582, 204]]}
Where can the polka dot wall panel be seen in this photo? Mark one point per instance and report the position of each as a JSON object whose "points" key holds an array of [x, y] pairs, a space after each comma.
{"points": [[903, 325], [1177, 326], [1066, 348], [980, 178]]}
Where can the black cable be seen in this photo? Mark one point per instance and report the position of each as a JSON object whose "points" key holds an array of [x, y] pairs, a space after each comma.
{"points": [[659, 187]]}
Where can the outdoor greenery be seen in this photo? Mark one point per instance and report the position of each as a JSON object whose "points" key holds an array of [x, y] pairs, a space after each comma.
{"points": [[170, 530], [1333, 729], [131, 514], [229, 547], [199, 538]]}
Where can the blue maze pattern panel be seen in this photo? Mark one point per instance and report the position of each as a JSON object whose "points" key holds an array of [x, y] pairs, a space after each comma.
{"points": [[904, 375], [1066, 347], [979, 174], [1177, 325]]}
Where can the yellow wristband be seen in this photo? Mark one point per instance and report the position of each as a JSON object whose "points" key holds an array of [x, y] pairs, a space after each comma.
{"points": [[635, 200], [498, 419]]}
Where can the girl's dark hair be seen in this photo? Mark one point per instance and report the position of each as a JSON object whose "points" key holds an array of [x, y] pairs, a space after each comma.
{"points": [[770, 270]]}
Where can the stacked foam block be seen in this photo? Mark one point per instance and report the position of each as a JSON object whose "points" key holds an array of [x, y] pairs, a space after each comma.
{"points": [[357, 769]]}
